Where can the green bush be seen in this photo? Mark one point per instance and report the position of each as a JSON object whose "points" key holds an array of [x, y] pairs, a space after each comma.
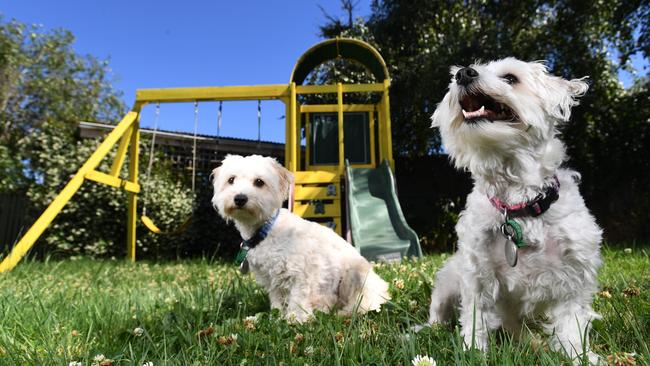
{"points": [[93, 222]]}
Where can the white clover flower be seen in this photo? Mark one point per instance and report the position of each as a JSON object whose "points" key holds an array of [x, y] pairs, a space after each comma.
{"points": [[99, 358], [138, 332], [399, 283], [250, 321], [75, 363], [413, 304], [291, 317], [627, 250], [148, 363], [309, 350], [423, 361]]}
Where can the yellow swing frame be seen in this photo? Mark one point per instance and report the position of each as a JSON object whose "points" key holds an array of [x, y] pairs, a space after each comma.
{"points": [[127, 133]]}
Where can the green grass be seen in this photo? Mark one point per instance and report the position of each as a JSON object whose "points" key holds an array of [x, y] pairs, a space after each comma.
{"points": [[53, 313]]}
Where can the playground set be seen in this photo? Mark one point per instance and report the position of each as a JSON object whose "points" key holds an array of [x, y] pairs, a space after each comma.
{"points": [[344, 181]]}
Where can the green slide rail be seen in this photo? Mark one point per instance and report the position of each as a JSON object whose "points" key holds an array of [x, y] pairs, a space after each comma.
{"points": [[375, 218]]}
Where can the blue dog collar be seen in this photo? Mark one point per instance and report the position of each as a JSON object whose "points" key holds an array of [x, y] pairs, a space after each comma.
{"points": [[257, 238]]}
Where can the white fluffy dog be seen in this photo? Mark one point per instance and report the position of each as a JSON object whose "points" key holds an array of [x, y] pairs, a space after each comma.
{"points": [[302, 265], [528, 248]]}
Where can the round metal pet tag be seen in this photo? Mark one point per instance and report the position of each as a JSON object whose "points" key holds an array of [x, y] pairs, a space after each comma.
{"points": [[511, 253], [243, 267]]}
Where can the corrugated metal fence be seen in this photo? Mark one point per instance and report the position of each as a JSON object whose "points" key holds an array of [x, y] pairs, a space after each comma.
{"points": [[13, 212]]}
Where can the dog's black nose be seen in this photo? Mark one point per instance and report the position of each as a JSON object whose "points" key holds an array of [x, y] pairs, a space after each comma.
{"points": [[240, 200], [465, 76]]}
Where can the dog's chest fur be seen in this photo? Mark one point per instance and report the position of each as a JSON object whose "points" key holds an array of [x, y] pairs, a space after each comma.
{"points": [[274, 262], [292, 250], [561, 251]]}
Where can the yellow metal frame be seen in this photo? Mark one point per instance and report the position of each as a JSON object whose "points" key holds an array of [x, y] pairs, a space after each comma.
{"points": [[128, 128], [127, 134], [306, 110]]}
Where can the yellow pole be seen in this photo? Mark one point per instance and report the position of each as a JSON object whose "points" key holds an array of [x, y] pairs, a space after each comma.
{"points": [[380, 130], [339, 98], [121, 153], [287, 134], [34, 232], [134, 154], [372, 116], [294, 129], [389, 137]]}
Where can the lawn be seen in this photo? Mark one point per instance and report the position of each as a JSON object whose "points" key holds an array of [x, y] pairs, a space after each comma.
{"points": [[203, 313]]}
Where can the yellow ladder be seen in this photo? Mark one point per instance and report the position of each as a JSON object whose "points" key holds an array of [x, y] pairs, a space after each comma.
{"points": [[317, 197]]}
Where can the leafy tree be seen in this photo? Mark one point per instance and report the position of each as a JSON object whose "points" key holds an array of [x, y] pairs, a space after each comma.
{"points": [[607, 139], [45, 90], [45, 82]]}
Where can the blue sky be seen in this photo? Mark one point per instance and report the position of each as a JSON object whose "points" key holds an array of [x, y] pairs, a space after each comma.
{"points": [[155, 44]]}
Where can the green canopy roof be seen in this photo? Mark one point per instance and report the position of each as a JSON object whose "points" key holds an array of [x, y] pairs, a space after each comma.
{"points": [[346, 48]]}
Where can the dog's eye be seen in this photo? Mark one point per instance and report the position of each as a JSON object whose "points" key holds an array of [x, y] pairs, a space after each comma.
{"points": [[259, 183], [510, 79], [231, 180]]}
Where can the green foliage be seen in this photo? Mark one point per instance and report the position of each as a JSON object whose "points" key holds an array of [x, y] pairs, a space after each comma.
{"points": [[44, 81], [607, 137], [93, 222], [185, 313], [10, 171], [46, 90]]}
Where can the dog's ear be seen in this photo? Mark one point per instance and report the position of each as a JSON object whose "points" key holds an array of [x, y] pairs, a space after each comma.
{"points": [[435, 119], [215, 172], [286, 178], [564, 96], [578, 87], [214, 175], [441, 110]]}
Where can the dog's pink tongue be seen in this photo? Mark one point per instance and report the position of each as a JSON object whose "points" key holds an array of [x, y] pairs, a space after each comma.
{"points": [[475, 114]]}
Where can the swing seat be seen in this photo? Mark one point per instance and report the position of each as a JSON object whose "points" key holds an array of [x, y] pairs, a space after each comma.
{"points": [[149, 224]]}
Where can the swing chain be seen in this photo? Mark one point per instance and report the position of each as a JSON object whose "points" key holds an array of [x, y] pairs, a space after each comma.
{"points": [[219, 119], [259, 122], [151, 155], [196, 127]]}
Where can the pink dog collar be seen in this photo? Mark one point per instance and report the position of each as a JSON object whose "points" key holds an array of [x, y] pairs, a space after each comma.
{"points": [[535, 207]]}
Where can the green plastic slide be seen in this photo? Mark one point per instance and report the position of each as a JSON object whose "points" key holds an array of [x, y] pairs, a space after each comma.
{"points": [[376, 221]]}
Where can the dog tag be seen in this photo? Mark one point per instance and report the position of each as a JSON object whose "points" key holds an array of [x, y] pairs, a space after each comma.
{"points": [[511, 253], [243, 267], [514, 240]]}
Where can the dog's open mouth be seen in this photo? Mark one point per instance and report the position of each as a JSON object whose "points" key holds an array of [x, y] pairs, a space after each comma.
{"points": [[481, 107]]}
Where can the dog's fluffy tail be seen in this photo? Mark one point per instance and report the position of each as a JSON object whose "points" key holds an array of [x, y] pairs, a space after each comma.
{"points": [[361, 289]]}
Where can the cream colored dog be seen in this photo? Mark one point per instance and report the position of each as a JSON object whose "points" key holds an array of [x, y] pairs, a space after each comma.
{"points": [[302, 265], [528, 248]]}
